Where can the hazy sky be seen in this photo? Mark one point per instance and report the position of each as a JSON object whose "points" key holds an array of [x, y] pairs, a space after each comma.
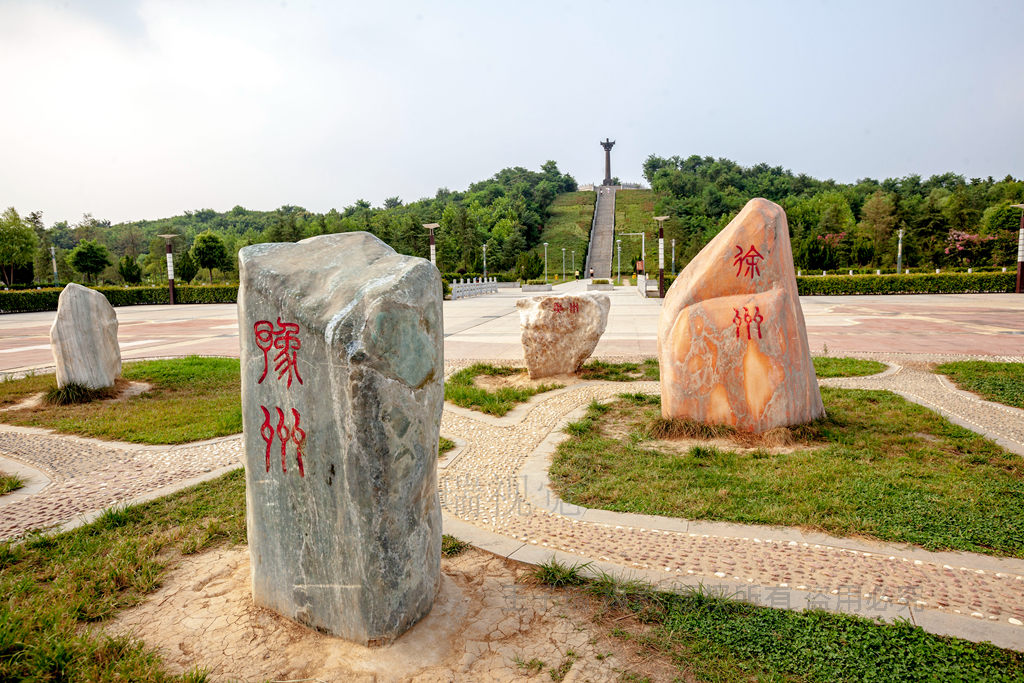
{"points": [[132, 110]]}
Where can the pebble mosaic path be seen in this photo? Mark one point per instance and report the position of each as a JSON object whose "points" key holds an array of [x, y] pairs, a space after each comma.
{"points": [[484, 484]]}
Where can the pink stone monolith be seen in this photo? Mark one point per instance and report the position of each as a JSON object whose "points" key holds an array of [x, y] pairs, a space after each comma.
{"points": [[732, 343]]}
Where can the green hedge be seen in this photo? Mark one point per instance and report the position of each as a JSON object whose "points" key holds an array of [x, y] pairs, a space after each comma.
{"points": [[929, 283], [24, 301]]}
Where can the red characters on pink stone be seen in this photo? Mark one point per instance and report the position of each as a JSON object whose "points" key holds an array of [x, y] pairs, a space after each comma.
{"points": [[748, 261]]}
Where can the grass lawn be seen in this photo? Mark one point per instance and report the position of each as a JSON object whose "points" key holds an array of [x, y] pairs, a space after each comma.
{"points": [[568, 226], [460, 390], [714, 638], [999, 382], [621, 372], [54, 587], [192, 399], [876, 466], [846, 367]]}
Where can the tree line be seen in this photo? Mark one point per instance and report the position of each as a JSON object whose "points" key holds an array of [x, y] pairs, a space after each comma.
{"points": [[947, 220], [505, 212]]}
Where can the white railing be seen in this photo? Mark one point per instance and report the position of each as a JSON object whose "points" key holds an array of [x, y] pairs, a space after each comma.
{"points": [[463, 289]]}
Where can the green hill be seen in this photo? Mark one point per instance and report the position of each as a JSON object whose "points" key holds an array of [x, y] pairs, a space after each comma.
{"points": [[568, 226]]}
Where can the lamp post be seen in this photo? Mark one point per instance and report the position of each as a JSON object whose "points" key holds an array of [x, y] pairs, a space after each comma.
{"points": [[53, 259], [545, 263], [1020, 251], [433, 248], [673, 257], [661, 255], [618, 260], [643, 245], [574, 264], [485, 262], [170, 265], [899, 254], [563, 264]]}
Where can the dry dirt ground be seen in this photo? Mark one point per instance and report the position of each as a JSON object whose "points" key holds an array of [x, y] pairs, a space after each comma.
{"points": [[489, 623]]}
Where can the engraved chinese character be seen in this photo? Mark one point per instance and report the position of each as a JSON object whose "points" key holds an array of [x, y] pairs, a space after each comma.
{"points": [[748, 260], [574, 306], [284, 338], [557, 307], [285, 434], [747, 319]]}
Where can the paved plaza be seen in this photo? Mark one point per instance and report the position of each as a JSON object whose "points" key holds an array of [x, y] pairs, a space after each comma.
{"points": [[494, 489], [487, 327]]}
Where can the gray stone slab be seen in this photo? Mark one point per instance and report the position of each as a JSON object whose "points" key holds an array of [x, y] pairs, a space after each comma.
{"points": [[342, 366]]}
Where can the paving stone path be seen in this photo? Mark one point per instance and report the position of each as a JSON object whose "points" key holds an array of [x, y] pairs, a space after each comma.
{"points": [[88, 475], [487, 483]]}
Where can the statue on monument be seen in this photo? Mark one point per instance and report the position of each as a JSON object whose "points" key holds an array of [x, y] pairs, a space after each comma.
{"points": [[607, 144]]}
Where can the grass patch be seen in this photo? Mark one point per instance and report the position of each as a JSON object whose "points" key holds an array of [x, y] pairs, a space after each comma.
{"points": [[646, 370], [999, 382], [649, 370], [713, 637], [444, 445], [192, 399], [877, 466], [558, 574], [460, 390], [846, 367], [56, 586], [568, 225], [10, 482], [451, 546]]}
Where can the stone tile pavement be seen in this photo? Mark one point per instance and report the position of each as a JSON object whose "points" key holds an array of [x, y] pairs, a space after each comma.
{"points": [[494, 493]]}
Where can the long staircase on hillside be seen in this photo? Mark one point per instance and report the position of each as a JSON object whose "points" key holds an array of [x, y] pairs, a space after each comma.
{"points": [[602, 238]]}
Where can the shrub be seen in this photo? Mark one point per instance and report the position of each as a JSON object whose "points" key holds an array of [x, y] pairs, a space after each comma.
{"points": [[930, 283], [600, 282], [25, 301]]}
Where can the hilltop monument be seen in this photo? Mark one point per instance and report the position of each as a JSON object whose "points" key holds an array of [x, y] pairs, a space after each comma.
{"points": [[607, 144]]}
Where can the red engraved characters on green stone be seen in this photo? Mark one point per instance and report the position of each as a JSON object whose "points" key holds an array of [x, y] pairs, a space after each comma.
{"points": [[284, 434], [285, 339]]}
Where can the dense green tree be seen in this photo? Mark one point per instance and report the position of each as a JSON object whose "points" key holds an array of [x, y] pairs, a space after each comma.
{"points": [[185, 267], [17, 243], [209, 252], [89, 258], [129, 270], [877, 220]]}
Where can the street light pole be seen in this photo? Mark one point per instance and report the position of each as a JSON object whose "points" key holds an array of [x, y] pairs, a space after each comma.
{"points": [[545, 263], [53, 259], [574, 264], [170, 265], [563, 264], [661, 255], [485, 262], [643, 237], [673, 257], [618, 260], [1020, 251], [433, 248], [899, 254]]}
